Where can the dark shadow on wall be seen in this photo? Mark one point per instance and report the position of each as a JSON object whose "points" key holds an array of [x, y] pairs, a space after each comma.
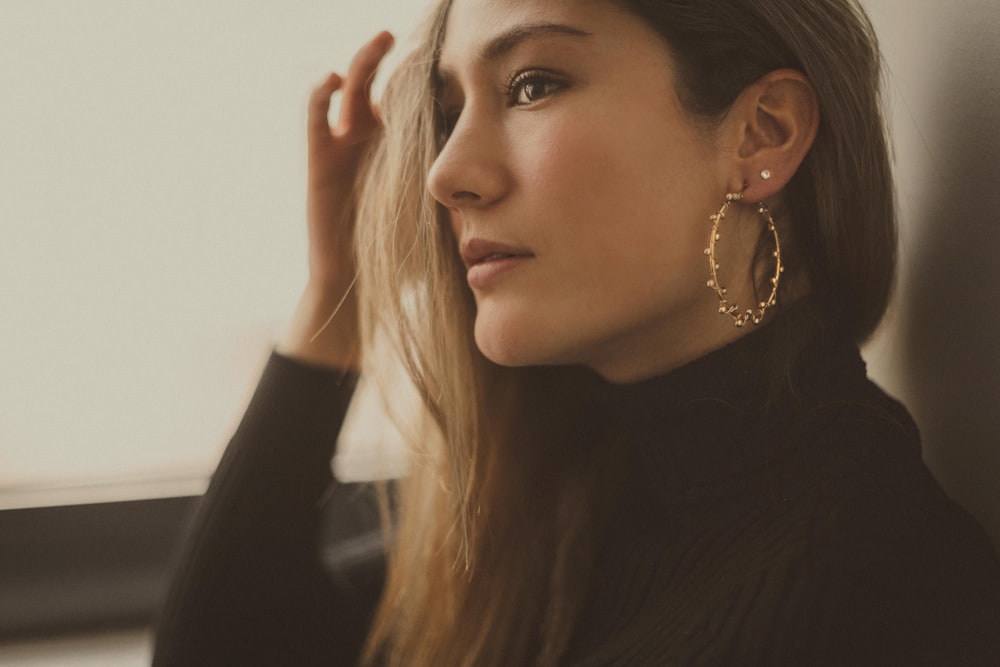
{"points": [[951, 314]]}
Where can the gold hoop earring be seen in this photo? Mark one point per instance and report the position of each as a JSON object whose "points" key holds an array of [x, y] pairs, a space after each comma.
{"points": [[741, 317]]}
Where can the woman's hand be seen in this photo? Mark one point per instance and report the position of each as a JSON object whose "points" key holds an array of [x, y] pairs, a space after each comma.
{"points": [[335, 157]]}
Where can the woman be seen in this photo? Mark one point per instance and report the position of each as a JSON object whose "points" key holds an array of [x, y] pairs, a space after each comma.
{"points": [[625, 251]]}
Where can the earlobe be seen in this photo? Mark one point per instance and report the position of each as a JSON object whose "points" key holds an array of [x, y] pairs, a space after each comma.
{"points": [[778, 117]]}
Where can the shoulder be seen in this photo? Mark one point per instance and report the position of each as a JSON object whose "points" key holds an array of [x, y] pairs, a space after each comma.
{"points": [[897, 565], [879, 505]]}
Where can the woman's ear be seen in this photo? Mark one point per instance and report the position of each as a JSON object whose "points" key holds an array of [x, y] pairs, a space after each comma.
{"points": [[775, 121]]}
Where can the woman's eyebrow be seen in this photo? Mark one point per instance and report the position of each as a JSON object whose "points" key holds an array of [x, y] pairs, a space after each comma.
{"points": [[507, 41]]}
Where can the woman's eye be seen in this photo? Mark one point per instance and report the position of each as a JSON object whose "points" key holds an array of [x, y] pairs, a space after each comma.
{"points": [[531, 87]]}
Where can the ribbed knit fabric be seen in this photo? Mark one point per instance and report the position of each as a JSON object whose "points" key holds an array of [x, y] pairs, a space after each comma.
{"points": [[804, 532], [249, 588]]}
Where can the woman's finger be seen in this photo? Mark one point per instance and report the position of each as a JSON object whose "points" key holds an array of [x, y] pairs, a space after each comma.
{"points": [[319, 106], [355, 111]]}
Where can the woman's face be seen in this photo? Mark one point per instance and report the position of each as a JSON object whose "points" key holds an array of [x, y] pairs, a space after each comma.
{"points": [[577, 187]]}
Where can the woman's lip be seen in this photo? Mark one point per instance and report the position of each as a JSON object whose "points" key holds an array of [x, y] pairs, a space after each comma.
{"points": [[477, 251], [484, 273]]}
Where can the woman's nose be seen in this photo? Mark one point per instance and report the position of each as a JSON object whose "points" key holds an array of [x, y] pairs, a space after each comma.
{"points": [[469, 171]]}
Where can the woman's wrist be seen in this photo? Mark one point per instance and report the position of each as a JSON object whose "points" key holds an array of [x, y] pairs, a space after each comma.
{"points": [[323, 329]]}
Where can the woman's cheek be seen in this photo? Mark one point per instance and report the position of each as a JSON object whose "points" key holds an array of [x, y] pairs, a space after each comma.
{"points": [[570, 175]]}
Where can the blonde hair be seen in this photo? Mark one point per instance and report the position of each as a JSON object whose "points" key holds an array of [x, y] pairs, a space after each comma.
{"points": [[471, 580]]}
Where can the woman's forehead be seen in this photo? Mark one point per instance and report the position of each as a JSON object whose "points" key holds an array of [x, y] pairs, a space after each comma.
{"points": [[478, 31]]}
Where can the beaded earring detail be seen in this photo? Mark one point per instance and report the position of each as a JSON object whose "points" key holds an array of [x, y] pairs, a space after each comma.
{"points": [[741, 317]]}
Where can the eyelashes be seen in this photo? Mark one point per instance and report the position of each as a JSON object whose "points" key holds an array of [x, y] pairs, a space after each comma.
{"points": [[524, 88], [530, 86]]}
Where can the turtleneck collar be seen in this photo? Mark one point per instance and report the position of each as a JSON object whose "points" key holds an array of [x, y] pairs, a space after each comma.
{"points": [[714, 422]]}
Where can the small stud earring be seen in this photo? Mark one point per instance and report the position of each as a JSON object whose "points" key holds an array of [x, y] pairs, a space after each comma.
{"points": [[765, 174]]}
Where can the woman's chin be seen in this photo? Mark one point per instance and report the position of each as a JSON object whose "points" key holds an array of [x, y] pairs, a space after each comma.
{"points": [[508, 346], [502, 354], [524, 346]]}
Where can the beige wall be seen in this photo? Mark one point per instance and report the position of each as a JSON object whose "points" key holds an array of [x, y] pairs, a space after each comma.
{"points": [[940, 349], [152, 236]]}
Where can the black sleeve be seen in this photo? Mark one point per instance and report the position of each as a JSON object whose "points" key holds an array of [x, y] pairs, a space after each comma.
{"points": [[249, 588]]}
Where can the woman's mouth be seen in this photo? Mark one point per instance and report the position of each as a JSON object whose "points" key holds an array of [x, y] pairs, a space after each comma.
{"points": [[486, 261], [476, 251], [496, 255]]}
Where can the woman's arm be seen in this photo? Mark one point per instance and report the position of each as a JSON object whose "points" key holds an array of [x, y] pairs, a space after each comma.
{"points": [[249, 588], [324, 328]]}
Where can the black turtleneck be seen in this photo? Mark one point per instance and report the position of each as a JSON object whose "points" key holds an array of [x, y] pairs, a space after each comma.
{"points": [[790, 528], [753, 528]]}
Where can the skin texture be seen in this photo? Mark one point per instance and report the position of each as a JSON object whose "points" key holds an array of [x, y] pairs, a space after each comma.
{"points": [[592, 166], [575, 150]]}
